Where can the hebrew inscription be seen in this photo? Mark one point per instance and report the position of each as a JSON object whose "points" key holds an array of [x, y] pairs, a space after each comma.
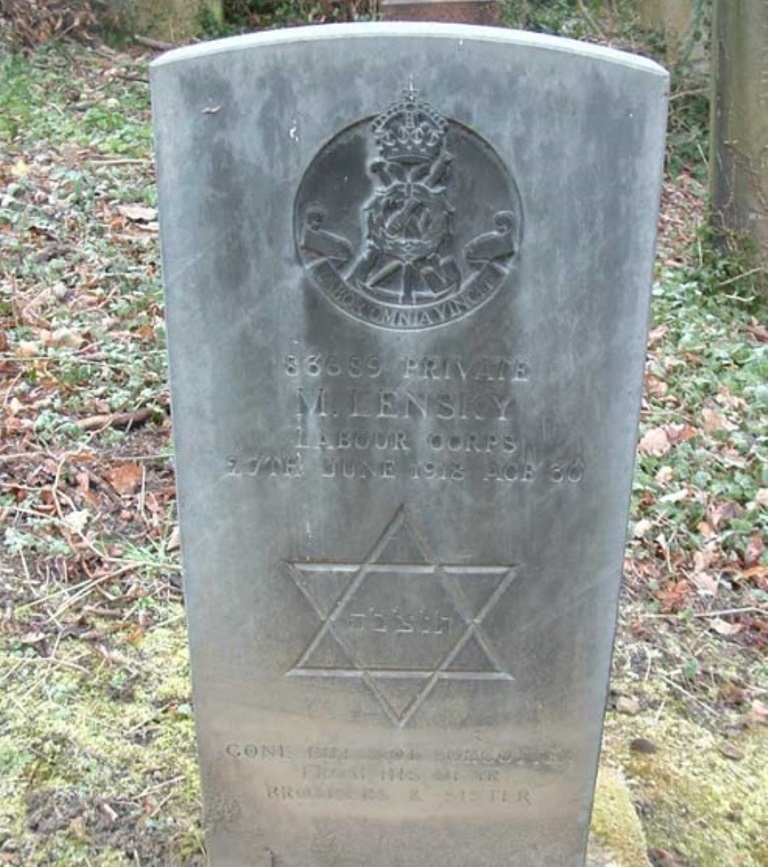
{"points": [[383, 228], [401, 621]]}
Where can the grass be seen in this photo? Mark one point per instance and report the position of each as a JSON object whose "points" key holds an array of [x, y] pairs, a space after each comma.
{"points": [[94, 657], [96, 742]]}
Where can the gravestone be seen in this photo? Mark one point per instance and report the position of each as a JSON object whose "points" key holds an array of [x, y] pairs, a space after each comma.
{"points": [[407, 271]]}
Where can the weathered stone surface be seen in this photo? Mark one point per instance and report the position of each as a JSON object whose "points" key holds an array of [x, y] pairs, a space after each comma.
{"points": [[407, 272]]}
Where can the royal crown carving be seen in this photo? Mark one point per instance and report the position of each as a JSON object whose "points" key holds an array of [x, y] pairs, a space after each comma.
{"points": [[410, 131]]}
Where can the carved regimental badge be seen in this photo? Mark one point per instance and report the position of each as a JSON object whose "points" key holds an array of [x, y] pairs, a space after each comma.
{"points": [[407, 220]]}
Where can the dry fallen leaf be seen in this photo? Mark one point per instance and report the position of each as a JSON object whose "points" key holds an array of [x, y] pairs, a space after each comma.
{"points": [[20, 169], [15, 406], [723, 512], [67, 337], [125, 478], [174, 542], [642, 527], [754, 550], [138, 213], [654, 442], [759, 332], [675, 597], [27, 349], [675, 496], [76, 521], [679, 433], [757, 714], [731, 751], [761, 498], [627, 705], [723, 627], [705, 557], [729, 400], [136, 635], [715, 421], [706, 584], [656, 386]]}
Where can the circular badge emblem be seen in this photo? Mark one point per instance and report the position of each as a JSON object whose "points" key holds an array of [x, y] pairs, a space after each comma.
{"points": [[407, 220]]}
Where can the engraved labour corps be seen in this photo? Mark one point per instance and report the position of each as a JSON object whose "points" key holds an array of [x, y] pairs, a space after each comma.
{"points": [[386, 239], [430, 419]]}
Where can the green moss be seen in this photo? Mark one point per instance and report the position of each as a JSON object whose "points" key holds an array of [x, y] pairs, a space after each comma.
{"points": [[615, 824], [87, 764], [695, 801]]}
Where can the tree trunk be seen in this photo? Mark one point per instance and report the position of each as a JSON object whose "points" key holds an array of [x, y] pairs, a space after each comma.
{"points": [[739, 143], [676, 18]]}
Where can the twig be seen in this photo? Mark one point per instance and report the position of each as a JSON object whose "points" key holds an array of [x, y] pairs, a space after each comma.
{"points": [[591, 20], [97, 611], [168, 621], [11, 671], [117, 419], [54, 496], [157, 786], [109, 812], [749, 610], [64, 663], [684, 691], [142, 79], [148, 721], [161, 805], [740, 277], [158, 44], [142, 499], [84, 588], [160, 456], [121, 162], [759, 332], [76, 597], [698, 91]]}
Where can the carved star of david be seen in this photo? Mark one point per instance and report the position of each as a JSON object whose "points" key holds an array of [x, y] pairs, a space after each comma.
{"points": [[401, 621]]}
